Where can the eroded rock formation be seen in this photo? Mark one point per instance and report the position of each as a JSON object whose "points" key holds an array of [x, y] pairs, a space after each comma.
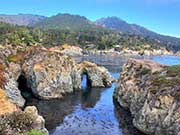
{"points": [[98, 76], [20, 122], [51, 75], [151, 92]]}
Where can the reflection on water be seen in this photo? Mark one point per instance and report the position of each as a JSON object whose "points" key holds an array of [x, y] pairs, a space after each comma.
{"points": [[91, 111], [54, 111], [94, 115]]}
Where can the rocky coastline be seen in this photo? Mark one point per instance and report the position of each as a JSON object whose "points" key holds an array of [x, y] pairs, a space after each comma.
{"points": [[116, 51], [47, 74], [151, 92], [129, 52]]}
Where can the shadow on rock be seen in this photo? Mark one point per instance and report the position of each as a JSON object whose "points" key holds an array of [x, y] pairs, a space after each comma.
{"points": [[125, 121]]}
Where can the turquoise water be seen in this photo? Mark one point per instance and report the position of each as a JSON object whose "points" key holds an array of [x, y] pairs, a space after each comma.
{"points": [[92, 111]]}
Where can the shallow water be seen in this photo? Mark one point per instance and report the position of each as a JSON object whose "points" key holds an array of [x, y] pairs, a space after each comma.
{"points": [[92, 111]]}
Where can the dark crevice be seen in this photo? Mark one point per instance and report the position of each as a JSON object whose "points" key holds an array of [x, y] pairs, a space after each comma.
{"points": [[86, 82], [26, 92]]}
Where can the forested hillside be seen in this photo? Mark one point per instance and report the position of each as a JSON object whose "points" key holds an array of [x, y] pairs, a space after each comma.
{"points": [[78, 30], [92, 38], [118, 24]]}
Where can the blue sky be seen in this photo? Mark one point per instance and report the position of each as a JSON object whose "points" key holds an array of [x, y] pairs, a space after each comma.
{"points": [[162, 16]]}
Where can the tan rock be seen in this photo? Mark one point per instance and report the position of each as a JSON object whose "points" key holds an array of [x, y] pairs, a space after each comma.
{"points": [[97, 75], [5, 105], [151, 92]]}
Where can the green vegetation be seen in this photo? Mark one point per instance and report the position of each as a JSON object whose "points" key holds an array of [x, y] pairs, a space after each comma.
{"points": [[173, 71], [67, 22], [15, 58], [73, 30], [144, 71], [18, 122], [34, 132], [170, 79]]}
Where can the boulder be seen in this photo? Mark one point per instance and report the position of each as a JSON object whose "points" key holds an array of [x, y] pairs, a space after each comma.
{"points": [[38, 121], [20, 122], [98, 76], [51, 74], [151, 92]]}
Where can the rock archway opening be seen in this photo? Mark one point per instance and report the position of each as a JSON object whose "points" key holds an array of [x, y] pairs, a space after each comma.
{"points": [[26, 91], [86, 82]]}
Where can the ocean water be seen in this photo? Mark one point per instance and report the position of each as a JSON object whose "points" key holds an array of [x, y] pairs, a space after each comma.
{"points": [[92, 110]]}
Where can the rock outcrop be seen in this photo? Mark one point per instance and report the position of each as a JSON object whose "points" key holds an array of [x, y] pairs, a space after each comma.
{"points": [[48, 74], [6, 106], [11, 74], [20, 122], [12, 119], [128, 51], [51, 75], [177, 53], [151, 92], [98, 76], [38, 121], [68, 50]]}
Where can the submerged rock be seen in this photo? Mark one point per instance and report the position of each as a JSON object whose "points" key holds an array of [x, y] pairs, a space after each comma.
{"points": [[151, 92], [98, 76]]}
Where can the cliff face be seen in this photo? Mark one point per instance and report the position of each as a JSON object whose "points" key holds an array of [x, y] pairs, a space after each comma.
{"points": [[151, 92], [47, 74], [51, 75]]}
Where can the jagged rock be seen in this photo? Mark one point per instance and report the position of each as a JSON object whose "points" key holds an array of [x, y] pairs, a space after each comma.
{"points": [[151, 92], [127, 51], [51, 74], [38, 121], [177, 53], [11, 74], [6, 106], [19, 122], [71, 50], [68, 50], [97, 75]]}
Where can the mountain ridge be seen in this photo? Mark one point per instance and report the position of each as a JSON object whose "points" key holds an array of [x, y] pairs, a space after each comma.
{"points": [[118, 24], [21, 19], [67, 21], [81, 23]]}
